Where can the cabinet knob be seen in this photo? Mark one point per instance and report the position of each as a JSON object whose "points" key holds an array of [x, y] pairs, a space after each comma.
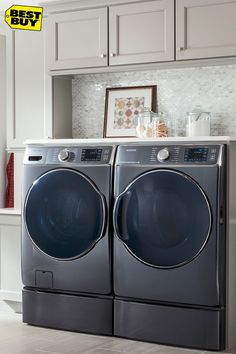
{"points": [[180, 49], [112, 54], [103, 55]]}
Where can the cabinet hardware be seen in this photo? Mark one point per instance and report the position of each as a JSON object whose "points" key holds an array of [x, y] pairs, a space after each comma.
{"points": [[180, 49], [103, 55], [112, 54]]}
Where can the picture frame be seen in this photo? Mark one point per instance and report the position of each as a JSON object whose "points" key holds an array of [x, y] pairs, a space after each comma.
{"points": [[123, 105]]}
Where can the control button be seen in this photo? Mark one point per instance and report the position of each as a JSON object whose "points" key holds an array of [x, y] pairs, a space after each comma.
{"points": [[163, 155], [71, 156], [64, 155]]}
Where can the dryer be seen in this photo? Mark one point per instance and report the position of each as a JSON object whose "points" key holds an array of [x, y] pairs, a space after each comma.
{"points": [[66, 237], [169, 244]]}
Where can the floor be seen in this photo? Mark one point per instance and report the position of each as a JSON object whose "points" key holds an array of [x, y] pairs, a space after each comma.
{"points": [[19, 338]]}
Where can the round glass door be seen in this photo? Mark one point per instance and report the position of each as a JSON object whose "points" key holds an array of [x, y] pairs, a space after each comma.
{"points": [[64, 214], [164, 218]]}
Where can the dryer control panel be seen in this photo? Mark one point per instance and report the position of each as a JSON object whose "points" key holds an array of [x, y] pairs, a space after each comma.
{"points": [[170, 154], [81, 155]]}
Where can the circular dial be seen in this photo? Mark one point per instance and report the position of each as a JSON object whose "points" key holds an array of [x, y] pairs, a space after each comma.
{"points": [[163, 155], [64, 155]]}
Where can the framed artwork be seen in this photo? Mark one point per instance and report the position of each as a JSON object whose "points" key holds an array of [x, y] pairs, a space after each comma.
{"points": [[123, 105]]}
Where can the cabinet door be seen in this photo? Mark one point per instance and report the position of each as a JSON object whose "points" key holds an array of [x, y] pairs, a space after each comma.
{"points": [[205, 28], [141, 32], [10, 255], [25, 87], [78, 39]]}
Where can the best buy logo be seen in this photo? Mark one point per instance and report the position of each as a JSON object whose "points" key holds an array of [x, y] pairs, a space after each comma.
{"points": [[24, 17]]}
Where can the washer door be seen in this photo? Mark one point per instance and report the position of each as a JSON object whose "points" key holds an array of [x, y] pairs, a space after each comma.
{"points": [[163, 217], [64, 214]]}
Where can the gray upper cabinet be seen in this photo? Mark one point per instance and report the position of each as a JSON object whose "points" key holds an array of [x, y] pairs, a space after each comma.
{"points": [[141, 32], [78, 39], [124, 32], [205, 28]]}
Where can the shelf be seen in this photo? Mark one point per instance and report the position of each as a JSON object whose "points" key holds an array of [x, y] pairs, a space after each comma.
{"points": [[10, 217], [72, 142], [10, 211]]}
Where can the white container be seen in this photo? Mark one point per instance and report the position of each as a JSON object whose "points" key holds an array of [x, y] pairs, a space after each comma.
{"points": [[198, 124], [152, 125], [143, 124], [160, 125]]}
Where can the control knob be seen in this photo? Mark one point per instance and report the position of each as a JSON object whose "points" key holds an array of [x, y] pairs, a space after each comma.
{"points": [[163, 155], [64, 155]]}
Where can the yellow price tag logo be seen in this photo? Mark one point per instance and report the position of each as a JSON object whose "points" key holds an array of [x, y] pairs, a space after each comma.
{"points": [[24, 17]]}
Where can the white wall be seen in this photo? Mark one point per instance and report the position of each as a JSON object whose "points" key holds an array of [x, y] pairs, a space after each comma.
{"points": [[2, 116], [179, 90]]}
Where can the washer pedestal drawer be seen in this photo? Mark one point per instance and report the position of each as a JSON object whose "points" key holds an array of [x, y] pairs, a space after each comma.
{"points": [[181, 326], [69, 312]]}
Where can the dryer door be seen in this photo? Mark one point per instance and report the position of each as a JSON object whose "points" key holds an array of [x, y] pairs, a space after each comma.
{"points": [[64, 214], [163, 217]]}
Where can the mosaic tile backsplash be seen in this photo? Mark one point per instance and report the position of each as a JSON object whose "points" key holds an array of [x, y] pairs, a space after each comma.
{"points": [[178, 91]]}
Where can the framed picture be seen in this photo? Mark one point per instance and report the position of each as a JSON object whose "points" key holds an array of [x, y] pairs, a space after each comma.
{"points": [[123, 105]]}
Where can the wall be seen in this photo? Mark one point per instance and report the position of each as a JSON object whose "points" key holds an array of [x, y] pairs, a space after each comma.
{"points": [[2, 117], [178, 90]]}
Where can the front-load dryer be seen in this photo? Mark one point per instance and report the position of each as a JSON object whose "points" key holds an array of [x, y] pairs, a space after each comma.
{"points": [[66, 243], [169, 244]]}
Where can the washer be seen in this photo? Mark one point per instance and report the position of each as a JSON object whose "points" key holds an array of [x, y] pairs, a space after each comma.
{"points": [[170, 244], [66, 237]]}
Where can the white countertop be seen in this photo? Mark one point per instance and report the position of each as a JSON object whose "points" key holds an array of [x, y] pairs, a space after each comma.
{"points": [[70, 142]]}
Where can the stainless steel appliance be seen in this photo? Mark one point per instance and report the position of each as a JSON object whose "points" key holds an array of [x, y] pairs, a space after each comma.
{"points": [[170, 245], [66, 263]]}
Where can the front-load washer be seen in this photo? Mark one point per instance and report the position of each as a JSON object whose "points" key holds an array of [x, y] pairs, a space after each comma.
{"points": [[66, 240], [169, 244]]}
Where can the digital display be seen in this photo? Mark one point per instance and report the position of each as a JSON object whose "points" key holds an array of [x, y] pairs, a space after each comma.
{"points": [[91, 155], [196, 154]]}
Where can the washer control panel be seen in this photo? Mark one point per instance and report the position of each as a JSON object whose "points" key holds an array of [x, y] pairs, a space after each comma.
{"points": [[91, 154], [82, 155], [170, 154]]}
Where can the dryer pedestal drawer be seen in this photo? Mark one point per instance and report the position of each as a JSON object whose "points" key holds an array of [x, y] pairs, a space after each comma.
{"points": [[187, 327], [69, 312]]}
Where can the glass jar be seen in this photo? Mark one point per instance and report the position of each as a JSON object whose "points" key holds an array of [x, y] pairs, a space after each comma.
{"points": [[143, 124], [198, 123], [160, 125]]}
